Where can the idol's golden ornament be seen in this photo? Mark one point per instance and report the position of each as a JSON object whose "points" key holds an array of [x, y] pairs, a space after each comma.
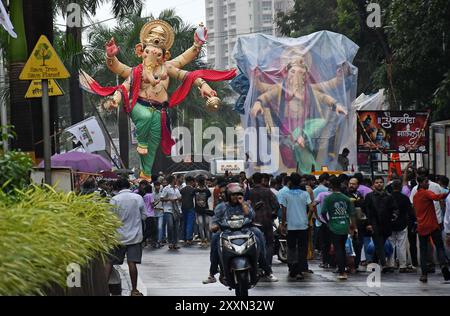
{"points": [[213, 104]]}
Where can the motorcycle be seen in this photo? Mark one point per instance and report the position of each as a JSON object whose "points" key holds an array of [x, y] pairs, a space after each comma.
{"points": [[238, 255], [279, 243]]}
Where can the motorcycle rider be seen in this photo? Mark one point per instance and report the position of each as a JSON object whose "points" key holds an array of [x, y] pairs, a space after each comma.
{"points": [[234, 205]]}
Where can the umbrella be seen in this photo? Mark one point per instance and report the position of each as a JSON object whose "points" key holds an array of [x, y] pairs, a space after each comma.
{"points": [[80, 161], [196, 173]]}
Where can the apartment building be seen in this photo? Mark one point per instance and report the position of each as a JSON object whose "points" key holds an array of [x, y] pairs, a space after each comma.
{"points": [[227, 19]]}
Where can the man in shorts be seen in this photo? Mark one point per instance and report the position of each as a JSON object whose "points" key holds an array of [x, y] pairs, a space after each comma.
{"points": [[130, 208]]}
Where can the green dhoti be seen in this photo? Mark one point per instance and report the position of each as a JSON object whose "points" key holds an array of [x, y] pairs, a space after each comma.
{"points": [[148, 130]]}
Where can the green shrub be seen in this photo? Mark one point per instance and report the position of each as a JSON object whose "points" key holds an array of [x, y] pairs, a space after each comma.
{"points": [[15, 170], [43, 231]]}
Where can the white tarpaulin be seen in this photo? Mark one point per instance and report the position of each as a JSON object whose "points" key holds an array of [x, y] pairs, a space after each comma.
{"points": [[304, 86], [89, 134]]}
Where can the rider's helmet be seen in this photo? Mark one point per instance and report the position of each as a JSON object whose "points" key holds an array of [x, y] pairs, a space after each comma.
{"points": [[234, 188]]}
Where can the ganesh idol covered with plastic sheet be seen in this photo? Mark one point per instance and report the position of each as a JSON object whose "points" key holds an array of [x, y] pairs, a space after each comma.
{"points": [[302, 86]]}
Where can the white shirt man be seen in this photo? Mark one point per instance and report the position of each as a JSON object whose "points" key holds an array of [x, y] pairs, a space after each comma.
{"points": [[170, 192], [130, 208]]}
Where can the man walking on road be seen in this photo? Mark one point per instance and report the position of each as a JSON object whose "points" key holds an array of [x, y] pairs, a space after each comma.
{"points": [[170, 197], [380, 208], [130, 208], [403, 214], [363, 239], [297, 207], [428, 226], [339, 211], [187, 206]]}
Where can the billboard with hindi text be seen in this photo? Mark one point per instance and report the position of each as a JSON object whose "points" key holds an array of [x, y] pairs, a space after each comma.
{"points": [[393, 131]]}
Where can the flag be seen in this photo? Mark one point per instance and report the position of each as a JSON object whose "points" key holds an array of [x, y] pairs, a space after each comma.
{"points": [[6, 22], [89, 134]]}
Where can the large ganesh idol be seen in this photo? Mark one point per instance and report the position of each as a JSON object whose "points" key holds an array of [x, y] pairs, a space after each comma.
{"points": [[144, 91]]}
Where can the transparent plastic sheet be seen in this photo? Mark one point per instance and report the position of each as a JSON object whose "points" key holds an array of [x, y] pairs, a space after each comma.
{"points": [[301, 84]]}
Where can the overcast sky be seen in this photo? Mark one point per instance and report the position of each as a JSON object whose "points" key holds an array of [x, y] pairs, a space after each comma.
{"points": [[192, 11]]}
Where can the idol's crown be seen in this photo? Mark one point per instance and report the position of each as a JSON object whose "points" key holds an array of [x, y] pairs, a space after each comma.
{"points": [[157, 38]]}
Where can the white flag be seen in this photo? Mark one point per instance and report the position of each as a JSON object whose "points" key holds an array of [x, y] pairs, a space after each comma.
{"points": [[89, 134], [6, 22]]}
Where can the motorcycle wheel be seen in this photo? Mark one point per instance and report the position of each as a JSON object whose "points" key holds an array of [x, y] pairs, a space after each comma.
{"points": [[242, 283], [282, 255]]}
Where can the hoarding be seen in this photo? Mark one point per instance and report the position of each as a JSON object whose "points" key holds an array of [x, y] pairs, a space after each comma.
{"points": [[393, 131]]}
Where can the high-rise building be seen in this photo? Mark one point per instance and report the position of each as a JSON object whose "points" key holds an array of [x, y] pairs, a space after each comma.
{"points": [[227, 19]]}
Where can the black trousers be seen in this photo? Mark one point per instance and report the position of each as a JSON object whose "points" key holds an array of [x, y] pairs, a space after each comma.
{"points": [[358, 244], [412, 238], [339, 246], [325, 244], [150, 229], [379, 240], [268, 236], [438, 243], [297, 243]]}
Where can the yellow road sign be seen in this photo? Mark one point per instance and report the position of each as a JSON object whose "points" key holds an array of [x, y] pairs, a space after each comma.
{"points": [[44, 63], [35, 89]]}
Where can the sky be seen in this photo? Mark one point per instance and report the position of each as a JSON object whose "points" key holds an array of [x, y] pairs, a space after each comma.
{"points": [[191, 11]]}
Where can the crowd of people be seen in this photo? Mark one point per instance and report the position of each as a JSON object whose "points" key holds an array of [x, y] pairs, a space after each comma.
{"points": [[346, 221]]}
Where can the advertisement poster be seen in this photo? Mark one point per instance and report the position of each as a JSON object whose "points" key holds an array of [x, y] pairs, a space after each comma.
{"points": [[393, 131]]}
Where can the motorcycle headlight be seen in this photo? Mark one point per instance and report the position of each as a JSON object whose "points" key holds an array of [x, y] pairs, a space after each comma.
{"points": [[227, 244], [236, 224]]}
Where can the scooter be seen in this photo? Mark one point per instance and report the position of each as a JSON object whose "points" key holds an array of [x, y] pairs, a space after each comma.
{"points": [[279, 243], [238, 255]]}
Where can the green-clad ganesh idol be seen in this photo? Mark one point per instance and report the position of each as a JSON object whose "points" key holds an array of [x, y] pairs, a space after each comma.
{"points": [[144, 91]]}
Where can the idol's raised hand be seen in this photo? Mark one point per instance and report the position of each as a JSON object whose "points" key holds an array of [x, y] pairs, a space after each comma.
{"points": [[111, 48]]}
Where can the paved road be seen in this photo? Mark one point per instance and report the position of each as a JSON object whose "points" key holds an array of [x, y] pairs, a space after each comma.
{"points": [[180, 273]]}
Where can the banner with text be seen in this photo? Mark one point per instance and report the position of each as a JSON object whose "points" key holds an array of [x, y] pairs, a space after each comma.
{"points": [[393, 131]]}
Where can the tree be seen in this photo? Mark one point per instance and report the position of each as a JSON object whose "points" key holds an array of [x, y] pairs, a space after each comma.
{"points": [[21, 116], [308, 16], [420, 38]]}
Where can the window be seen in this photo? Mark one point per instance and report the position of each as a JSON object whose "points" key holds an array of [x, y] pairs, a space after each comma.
{"points": [[209, 11], [232, 7], [267, 18], [233, 20], [250, 16], [267, 5]]}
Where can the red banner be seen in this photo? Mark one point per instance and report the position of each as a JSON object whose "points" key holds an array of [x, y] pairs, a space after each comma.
{"points": [[393, 131]]}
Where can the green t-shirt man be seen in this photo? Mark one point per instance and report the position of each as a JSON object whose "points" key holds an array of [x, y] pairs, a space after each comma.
{"points": [[338, 209]]}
